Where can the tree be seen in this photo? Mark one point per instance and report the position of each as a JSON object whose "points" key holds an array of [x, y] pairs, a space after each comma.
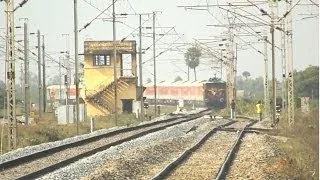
{"points": [[192, 58], [55, 80], [306, 82], [246, 74], [178, 78]]}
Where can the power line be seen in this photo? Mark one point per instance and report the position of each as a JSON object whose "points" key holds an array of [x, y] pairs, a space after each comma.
{"points": [[314, 3], [102, 12]]}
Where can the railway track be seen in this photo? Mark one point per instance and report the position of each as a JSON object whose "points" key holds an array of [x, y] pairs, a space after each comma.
{"points": [[39, 163], [205, 159]]}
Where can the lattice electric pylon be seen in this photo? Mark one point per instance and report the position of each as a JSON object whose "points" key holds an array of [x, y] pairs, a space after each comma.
{"points": [[10, 81], [289, 66], [284, 70]]}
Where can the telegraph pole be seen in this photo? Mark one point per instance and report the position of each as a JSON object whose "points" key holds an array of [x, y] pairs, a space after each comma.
{"points": [[115, 63], [10, 69], [76, 61], [44, 76], [154, 64], [39, 74], [140, 71], [26, 73]]}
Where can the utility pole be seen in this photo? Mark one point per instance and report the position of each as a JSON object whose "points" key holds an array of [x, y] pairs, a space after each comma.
{"points": [[39, 75], [76, 62], [221, 61], [273, 110], [235, 73], [115, 63], [230, 65], [68, 75], [154, 64], [26, 73], [290, 66], [10, 69], [21, 77], [266, 79], [60, 75], [140, 70], [44, 76]]}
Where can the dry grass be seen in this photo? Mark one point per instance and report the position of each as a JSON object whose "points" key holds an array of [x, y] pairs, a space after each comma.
{"points": [[302, 148], [48, 130]]}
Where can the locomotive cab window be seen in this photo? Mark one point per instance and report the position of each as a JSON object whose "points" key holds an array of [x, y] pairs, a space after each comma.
{"points": [[101, 60]]}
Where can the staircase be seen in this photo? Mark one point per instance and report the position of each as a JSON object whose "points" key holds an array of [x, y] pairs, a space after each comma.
{"points": [[104, 99]]}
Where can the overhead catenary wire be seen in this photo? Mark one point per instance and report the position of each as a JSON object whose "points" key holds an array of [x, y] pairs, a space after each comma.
{"points": [[265, 23], [314, 3], [102, 12]]}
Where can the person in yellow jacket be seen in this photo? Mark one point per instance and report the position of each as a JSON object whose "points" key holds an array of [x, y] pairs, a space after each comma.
{"points": [[259, 108]]}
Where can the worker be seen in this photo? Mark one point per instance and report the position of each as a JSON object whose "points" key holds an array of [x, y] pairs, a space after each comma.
{"points": [[233, 109], [259, 108]]}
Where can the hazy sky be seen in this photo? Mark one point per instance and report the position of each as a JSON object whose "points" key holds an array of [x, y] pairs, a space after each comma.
{"points": [[55, 17]]}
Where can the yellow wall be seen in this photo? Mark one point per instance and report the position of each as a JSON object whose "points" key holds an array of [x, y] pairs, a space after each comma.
{"points": [[97, 78], [130, 93]]}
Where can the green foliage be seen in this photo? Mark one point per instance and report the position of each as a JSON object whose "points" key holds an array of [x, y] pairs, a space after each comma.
{"points": [[178, 78], [54, 80], [306, 82], [253, 88], [246, 74]]}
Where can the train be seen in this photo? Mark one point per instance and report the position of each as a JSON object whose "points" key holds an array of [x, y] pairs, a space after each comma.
{"points": [[208, 93]]}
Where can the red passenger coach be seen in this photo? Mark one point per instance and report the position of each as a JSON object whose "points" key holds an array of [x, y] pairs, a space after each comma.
{"points": [[171, 93], [211, 94]]}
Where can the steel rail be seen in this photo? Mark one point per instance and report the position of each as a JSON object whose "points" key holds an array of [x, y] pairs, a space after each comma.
{"points": [[36, 155], [65, 162], [231, 154], [170, 167]]}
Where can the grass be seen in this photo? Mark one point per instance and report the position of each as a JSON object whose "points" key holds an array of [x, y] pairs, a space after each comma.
{"points": [[47, 129], [302, 148]]}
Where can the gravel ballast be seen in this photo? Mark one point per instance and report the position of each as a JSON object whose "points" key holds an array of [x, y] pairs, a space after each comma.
{"points": [[37, 148], [138, 159]]}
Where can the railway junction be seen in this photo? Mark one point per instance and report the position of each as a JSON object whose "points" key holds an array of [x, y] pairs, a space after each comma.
{"points": [[185, 146], [161, 89]]}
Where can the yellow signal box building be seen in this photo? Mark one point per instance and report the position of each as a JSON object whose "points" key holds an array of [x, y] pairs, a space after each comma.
{"points": [[99, 85]]}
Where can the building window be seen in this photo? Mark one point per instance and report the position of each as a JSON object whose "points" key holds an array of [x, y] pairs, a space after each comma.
{"points": [[101, 60]]}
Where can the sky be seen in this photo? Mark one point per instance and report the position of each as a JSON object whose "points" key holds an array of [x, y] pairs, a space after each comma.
{"points": [[54, 18]]}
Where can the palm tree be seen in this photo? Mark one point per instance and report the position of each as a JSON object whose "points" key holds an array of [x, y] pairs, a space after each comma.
{"points": [[192, 57], [246, 74]]}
